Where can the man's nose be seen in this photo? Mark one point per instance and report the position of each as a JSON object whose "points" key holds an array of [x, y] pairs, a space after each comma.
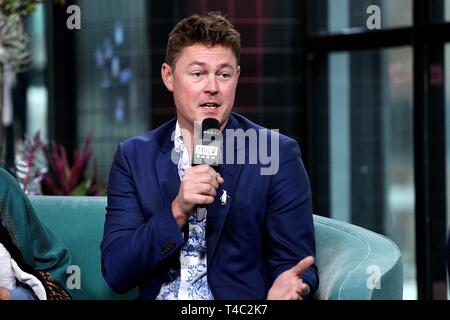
{"points": [[212, 87]]}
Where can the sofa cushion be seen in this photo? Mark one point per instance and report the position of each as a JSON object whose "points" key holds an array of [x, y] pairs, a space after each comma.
{"points": [[78, 221], [350, 259]]}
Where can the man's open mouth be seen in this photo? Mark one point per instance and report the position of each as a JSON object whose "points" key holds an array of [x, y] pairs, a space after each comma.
{"points": [[210, 105]]}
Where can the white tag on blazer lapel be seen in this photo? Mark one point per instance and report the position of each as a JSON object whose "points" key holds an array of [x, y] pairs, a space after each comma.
{"points": [[224, 197]]}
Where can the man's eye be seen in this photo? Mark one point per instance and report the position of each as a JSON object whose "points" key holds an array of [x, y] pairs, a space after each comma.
{"points": [[225, 75], [196, 74]]}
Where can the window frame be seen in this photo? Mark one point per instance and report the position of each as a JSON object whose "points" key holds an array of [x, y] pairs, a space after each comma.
{"points": [[428, 133]]}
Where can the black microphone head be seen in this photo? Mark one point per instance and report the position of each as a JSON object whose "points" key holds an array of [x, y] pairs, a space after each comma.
{"points": [[210, 123], [208, 145], [210, 129]]}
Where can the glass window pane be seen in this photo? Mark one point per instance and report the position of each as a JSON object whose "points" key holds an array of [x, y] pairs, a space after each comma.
{"points": [[447, 126], [112, 76], [447, 10], [344, 16], [371, 147], [36, 95], [439, 10]]}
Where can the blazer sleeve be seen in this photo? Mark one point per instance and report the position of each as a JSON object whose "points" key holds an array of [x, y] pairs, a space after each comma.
{"points": [[290, 224], [135, 246]]}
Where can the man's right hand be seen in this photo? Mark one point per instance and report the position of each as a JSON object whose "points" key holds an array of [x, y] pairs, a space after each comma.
{"points": [[198, 187]]}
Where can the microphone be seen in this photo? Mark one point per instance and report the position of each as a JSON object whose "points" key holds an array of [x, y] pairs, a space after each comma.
{"points": [[207, 150]]}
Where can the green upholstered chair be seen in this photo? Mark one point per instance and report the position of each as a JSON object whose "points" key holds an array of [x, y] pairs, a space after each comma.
{"points": [[78, 221], [346, 254], [355, 263]]}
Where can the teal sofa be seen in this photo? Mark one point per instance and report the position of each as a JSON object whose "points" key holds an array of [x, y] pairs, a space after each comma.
{"points": [[354, 263]]}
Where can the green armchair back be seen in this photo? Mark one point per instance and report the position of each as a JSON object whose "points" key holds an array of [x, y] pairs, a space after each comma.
{"points": [[354, 263], [78, 221]]}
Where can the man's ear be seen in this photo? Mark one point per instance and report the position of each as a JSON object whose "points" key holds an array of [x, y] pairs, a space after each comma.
{"points": [[167, 76]]}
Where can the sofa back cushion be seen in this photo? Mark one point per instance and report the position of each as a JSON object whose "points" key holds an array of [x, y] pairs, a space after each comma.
{"points": [[348, 256], [78, 222]]}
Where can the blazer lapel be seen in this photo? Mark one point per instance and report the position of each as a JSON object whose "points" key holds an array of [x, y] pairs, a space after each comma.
{"points": [[217, 212], [166, 170]]}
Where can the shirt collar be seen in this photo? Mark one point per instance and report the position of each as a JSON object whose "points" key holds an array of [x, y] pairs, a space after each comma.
{"points": [[178, 139]]}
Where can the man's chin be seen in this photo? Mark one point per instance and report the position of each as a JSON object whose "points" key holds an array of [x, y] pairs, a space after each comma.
{"points": [[203, 117], [221, 119]]}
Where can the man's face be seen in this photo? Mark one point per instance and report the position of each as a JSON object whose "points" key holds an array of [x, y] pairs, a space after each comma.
{"points": [[203, 83]]}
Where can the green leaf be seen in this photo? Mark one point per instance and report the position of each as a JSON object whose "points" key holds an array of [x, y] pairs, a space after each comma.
{"points": [[80, 190]]}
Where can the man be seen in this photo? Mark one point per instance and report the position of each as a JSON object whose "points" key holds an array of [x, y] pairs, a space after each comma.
{"points": [[257, 240]]}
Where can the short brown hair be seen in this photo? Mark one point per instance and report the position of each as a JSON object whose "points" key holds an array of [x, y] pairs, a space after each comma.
{"points": [[210, 29]]}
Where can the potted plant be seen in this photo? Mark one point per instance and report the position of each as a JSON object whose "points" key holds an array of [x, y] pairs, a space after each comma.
{"points": [[43, 168]]}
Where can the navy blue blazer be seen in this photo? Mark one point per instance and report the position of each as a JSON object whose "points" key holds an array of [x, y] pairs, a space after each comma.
{"points": [[264, 229]]}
